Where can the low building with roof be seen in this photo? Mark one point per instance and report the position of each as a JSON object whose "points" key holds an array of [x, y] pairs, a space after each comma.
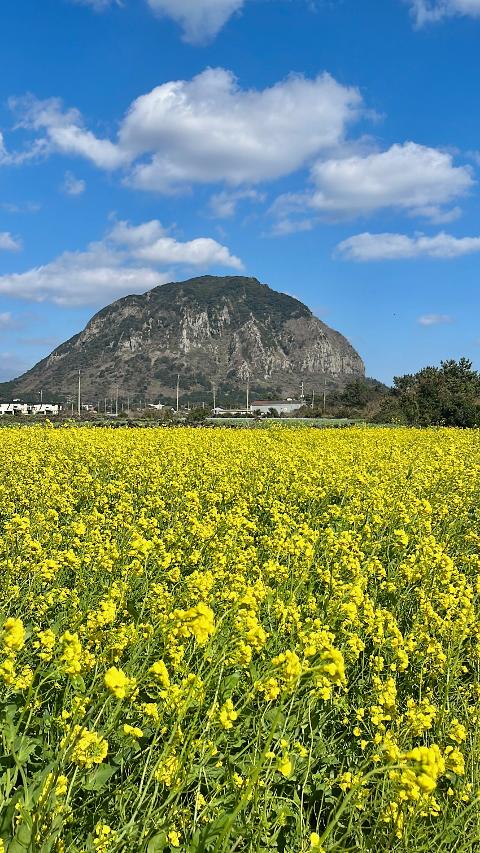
{"points": [[283, 407]]}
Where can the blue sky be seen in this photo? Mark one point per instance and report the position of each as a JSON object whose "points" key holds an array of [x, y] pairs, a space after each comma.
{"points": [[329, 147]]}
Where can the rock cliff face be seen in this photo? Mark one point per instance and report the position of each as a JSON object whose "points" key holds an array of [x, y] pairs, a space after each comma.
{"points": [[210, 330]]}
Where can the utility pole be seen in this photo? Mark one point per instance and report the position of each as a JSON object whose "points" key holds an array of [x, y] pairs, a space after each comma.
{"points": [[248, 392], [324, 395], [178, 391], [116, 401], [79, 392], [302, 395], [105, 409], [313, 398], [41, 397], [214, 390], [128, 405]]}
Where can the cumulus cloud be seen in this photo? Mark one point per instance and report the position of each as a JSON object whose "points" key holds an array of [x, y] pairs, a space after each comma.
{"points": [[124, 262], [205, 130], [150, 242], [209, 129], [9, 243], [65, 132], [434, 319], [200, 20], [431, 11], [223, 205], [411, 178], [394, 247], [95, 276], [72, 185]]}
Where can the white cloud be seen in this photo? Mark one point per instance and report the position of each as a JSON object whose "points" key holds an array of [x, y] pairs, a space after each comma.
{"points": [[98, 5], [149, 242], [431, 11], [65, 132], [223, 205], [200, 20], [123, 262], [286, 226], [34, 151], [411, 178], [6, 320], [206, 130], [72, 185], [9, 243], [95, 276], [434, 319], [393, 247], [209, 130]]}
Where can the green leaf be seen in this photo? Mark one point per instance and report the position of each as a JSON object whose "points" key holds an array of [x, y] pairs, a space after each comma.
{"points": [[9, 812], [99, 778], [157, 843], [21, 842]]}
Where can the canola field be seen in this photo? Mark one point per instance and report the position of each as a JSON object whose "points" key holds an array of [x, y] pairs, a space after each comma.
{"points": [[218, 640]]}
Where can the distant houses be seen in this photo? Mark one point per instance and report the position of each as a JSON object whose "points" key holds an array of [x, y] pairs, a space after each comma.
{"points": [[17, 407], [283, 407]]}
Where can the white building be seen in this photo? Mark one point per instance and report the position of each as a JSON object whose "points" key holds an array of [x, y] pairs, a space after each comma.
{"points": [[44, 409], [283, 407], [17, 407]]}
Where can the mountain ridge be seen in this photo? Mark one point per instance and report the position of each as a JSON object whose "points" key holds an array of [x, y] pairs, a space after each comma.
{"points": [[210, 330]]}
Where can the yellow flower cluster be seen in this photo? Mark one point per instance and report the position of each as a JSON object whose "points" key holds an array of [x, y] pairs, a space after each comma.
{"points": [[240, 639]]}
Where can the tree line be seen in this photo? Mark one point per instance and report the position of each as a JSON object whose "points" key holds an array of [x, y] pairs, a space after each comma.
{"points": [[448, 395]]}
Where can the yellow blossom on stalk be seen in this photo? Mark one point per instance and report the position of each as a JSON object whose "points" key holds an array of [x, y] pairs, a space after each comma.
{"points": [[315, 843], [160, 673], [289, 668], [227, 715], [61, 786], [200, 622], [174, 838], [285, 766], [7, 671], [13, 635], [454, 761], [457, 731], [74, 658], [104, 837], [150, 709], [168, 770], [132, 731], [328, 581], [118, 683], [87, 748], [45, 643]]}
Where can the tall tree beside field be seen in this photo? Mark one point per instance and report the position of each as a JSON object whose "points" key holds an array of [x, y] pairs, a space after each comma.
{"points": [[448, 395]]}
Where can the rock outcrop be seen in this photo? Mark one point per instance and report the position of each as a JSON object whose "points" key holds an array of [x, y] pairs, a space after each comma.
{"points": [[209, 331]]}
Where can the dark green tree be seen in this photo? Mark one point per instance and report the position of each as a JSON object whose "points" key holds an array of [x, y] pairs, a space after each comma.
{"points": [[448, 395]]}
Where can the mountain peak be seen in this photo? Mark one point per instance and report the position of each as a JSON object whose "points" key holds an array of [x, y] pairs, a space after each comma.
{"points": [[210, 330]]}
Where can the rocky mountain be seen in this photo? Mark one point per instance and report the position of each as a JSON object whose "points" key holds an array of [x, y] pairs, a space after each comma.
{"points": [[209, 330]]}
